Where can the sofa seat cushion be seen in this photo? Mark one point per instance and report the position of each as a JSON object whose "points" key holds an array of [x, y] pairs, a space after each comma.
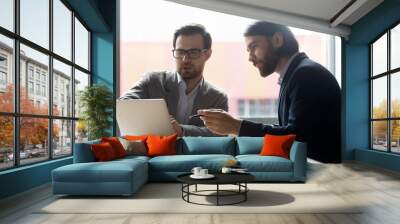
{"points": [[112, 171], [185, 163], [206, 145], [257, 163]]}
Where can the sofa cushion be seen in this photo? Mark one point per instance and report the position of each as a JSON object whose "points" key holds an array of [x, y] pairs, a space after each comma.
{"points": [[277, 145], [257, 163], [83, 153], [161, 145], [112, 171], [103, 152], [249, 145], [185, 163], [116, 145], [136, 147], [206, 145]]}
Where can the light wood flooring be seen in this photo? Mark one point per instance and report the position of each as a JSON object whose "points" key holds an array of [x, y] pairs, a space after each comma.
{"points": [[377, 188]]}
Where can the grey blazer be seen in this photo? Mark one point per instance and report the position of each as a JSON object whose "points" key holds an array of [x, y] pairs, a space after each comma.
{"points": [[164, 85]]}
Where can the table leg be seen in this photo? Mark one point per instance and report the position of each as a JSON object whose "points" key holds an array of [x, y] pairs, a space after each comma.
{"points": [[217, 194], [245, 191]]}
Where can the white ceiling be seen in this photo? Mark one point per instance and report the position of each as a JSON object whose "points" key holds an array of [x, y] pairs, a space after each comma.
{"points": [[316, 15]]}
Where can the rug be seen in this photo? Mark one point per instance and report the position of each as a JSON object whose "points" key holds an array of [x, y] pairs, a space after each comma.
{"points": [[167, 198]]}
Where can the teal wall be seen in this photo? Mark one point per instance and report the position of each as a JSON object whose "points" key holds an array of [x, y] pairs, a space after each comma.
{"points": [[356, 85], [24, 178], [99, 16]]}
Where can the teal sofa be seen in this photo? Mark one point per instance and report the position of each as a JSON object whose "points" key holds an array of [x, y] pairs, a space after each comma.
{"points": [[125, 176]]}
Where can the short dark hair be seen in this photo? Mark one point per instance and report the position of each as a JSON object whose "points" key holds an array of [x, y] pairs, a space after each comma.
{"points": [[267, 29], [194, 29]]}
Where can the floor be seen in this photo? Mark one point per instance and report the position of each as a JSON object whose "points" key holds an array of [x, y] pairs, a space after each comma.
{"points": [[379, 189]]}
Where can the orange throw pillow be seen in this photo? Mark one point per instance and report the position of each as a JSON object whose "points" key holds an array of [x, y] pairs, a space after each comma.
{"points": [[103, 151], [116, 145], [161, 145], [277, 145], [135, 138]]}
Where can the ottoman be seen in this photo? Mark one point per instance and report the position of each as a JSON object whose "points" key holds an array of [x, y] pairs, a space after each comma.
{"points": [[118, 177]]}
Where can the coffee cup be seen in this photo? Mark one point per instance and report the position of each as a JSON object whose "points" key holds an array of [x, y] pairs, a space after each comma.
{"points": [[196, 170], [203, 172], [226, 170]]}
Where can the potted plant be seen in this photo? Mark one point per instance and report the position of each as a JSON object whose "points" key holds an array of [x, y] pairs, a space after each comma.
{"points": [[96, 104]]}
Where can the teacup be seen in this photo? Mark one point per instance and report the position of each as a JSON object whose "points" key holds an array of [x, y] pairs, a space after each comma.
{"points": [[226, 170], [196, 170], [203, 172]]}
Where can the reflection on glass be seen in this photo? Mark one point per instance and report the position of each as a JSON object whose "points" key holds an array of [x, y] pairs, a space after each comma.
{"points": [[7, 14], [34, 96], [62, 89], [395, 95], [6, 142], [379, 97], [62, 138], [81, 131], [35, 21], [395, 47], [33, 139], [81, 45], [395, 136], [81, 81], [379, 135], [379, 55], [62, 29], [6, 74]]}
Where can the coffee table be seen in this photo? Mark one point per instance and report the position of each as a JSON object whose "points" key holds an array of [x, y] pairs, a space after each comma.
{"points": [[238, 179]]}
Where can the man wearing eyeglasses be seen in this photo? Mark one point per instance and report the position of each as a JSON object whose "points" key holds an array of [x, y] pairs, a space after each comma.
{"points": [[184, 90]]}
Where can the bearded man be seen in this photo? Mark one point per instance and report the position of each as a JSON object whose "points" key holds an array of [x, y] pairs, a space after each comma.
{"points": [[309, 99]]}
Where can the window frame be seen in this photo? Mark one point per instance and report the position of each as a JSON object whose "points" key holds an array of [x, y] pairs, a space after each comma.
{"points": [[16, 115], [388, 74]]}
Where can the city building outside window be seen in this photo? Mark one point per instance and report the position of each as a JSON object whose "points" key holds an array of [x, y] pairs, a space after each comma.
{"points": [[385, 97], [56, 128]]}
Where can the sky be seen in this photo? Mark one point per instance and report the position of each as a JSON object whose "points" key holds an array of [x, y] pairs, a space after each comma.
{"points": [[35, 27]]}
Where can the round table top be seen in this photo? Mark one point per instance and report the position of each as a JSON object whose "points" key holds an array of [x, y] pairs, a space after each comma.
{"points": [[220, 178]]}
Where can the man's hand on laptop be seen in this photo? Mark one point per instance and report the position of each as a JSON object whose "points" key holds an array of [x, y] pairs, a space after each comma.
{"points": [[177, 127]]}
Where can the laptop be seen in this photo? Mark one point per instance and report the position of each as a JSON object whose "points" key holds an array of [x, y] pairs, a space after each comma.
{"points": [[143, 116]]}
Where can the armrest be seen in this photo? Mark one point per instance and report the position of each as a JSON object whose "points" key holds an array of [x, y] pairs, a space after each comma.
{"points": [[298, 155], [83, 152]]}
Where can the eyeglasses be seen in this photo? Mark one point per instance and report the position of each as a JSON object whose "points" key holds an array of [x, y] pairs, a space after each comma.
{"points": [[191, 53]]}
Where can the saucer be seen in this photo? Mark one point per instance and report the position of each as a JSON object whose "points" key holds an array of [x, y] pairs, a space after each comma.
{"points": [[208, 176]]}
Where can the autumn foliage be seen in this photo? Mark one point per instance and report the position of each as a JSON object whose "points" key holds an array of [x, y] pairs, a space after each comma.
{"points": [[380, 127], [33, 131]]}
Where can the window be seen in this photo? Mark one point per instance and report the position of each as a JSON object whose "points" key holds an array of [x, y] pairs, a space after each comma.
{"points": [[30, 87], [3, 72], [3, 78], [258, 108], [81, 45], [3, 61], [38, 89], [44, 91], [7, 14], [54, 125], [37, 74], [7, 77], [144, 49], [385, 95], [30, 72]]}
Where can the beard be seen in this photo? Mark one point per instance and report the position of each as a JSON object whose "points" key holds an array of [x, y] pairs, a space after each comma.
{"points": [[188, 72], [269, 63]]}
